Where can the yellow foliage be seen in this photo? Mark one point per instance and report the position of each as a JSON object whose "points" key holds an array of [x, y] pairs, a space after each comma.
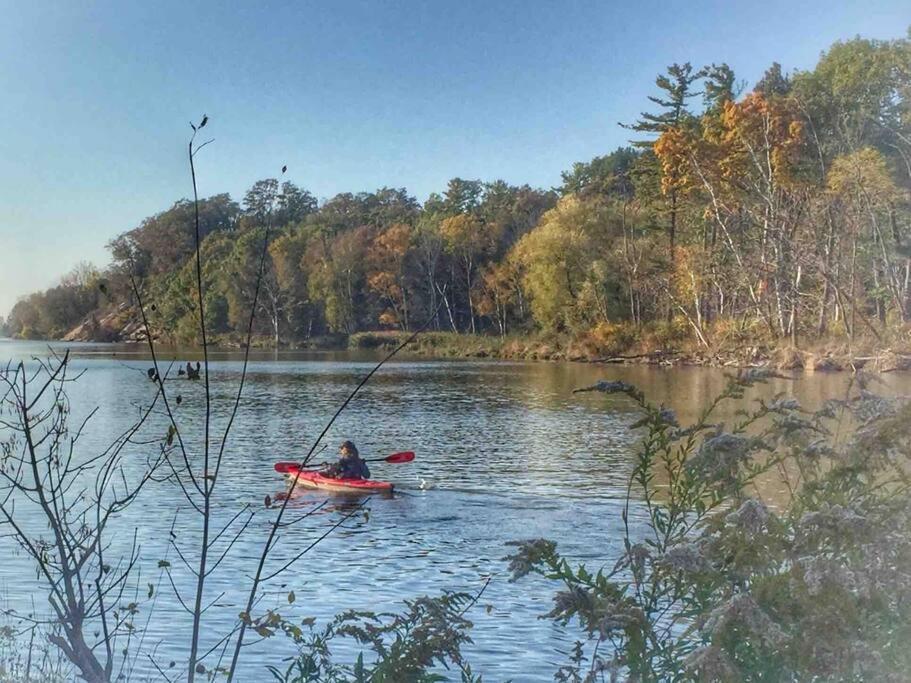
{"points": [[389, 318], [760, 135], [865, 173]]}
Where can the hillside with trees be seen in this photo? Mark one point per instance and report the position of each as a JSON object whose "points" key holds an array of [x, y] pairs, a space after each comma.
{"points": [[773, 217]]}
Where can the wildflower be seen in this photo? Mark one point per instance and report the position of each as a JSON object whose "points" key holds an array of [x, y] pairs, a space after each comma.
{"points": [[664, 417], [820, 573], [685, 557], [529, 555], [668, 416], [572, 601], [790, 423], [869, 407], [719, 457], [639, 554], [743, 611], [830, 408], [751, 516], [620, 618], [818, 450], [832, 521], [782, 405]]}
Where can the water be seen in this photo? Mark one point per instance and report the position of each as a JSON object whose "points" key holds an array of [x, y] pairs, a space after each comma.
{"points": [[505, 451]]}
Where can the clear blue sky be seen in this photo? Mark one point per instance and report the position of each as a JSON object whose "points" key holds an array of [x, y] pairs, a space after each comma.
{"points": [[95, 96]]}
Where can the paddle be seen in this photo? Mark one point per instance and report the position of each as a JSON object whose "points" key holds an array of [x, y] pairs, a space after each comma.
{"points": [[395, 458]]}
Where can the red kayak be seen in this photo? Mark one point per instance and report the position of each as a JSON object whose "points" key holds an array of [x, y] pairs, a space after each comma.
{"points": [[316, 480]]}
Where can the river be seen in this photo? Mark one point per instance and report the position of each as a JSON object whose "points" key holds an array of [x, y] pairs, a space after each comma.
{"points": [[505, 451]]}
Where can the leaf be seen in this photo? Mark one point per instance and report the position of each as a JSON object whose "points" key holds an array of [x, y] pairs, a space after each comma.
{"points": [[163, 564], [172, 430], [151, 590], [284, 169], [205, 120], [200, 668], [291, 598], [179, 399], [268, 501], [264, 631]]}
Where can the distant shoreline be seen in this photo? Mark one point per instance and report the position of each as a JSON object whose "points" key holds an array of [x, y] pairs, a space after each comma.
{"points": [[819, 357]]}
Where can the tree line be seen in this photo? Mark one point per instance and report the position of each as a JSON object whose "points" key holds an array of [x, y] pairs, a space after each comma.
{"points": [[777, 213]]}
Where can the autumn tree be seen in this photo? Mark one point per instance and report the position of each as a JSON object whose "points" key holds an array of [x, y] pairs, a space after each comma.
{"points": [[388, 258], [466, 238], [677, 89]]}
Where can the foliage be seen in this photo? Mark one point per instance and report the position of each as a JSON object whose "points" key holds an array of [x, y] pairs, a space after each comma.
{"points": [[406, 646], [783, 209], [714, 583]]}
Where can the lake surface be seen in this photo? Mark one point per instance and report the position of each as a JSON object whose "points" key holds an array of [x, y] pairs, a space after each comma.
{"points": [[505, 451]]}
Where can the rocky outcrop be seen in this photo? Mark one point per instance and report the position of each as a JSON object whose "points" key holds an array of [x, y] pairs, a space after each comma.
{"points": [[118, 325]]}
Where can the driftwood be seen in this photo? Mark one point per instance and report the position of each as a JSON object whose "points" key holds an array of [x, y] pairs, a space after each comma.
{"points": [[622, 358]]}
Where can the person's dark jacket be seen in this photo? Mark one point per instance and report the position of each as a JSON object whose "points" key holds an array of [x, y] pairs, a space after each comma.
{"points": [[351, 467]]}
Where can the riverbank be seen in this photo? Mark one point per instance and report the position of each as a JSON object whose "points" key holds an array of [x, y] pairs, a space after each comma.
{"points": [[822, 356], [666, 343]]}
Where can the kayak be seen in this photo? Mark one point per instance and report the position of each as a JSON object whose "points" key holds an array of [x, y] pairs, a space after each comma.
{"points": [[316, 480]]}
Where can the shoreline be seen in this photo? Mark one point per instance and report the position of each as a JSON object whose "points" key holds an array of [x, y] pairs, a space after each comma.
{"points": [[823, 356]]}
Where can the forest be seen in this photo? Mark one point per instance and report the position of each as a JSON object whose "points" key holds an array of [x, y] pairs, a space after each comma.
{"points": [[776, 215]]}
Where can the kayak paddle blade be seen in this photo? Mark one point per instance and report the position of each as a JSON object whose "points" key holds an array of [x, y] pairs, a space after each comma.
{"points": [[285, 467], [404, 456]]}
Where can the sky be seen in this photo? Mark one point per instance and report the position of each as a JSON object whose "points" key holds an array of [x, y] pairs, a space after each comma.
{"points": [[95, 97]]}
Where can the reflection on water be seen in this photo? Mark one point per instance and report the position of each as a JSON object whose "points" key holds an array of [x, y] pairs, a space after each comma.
{"points": [[505, 451]]}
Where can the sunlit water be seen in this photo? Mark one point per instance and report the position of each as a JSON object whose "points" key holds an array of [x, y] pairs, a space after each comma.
{"points": [[505, 451]]}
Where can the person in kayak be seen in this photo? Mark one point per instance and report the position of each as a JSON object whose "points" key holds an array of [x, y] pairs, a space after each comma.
{"points": [[349, 465]]}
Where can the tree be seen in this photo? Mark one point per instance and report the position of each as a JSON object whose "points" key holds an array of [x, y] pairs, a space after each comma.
{"points": [[866, 195], [335, 268], [605, 176], [466, 238], [565, 273], [774, 83], [745, 163], [718, 86], [286, 254], [462, 196], [676, 90], [388, 257], [78, 498], [166, 239]]}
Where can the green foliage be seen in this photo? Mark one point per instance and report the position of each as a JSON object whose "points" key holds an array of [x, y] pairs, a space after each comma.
{"points": [[569, 281], [717, 584], [607, 176], [52, 313], [407, 646]]}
